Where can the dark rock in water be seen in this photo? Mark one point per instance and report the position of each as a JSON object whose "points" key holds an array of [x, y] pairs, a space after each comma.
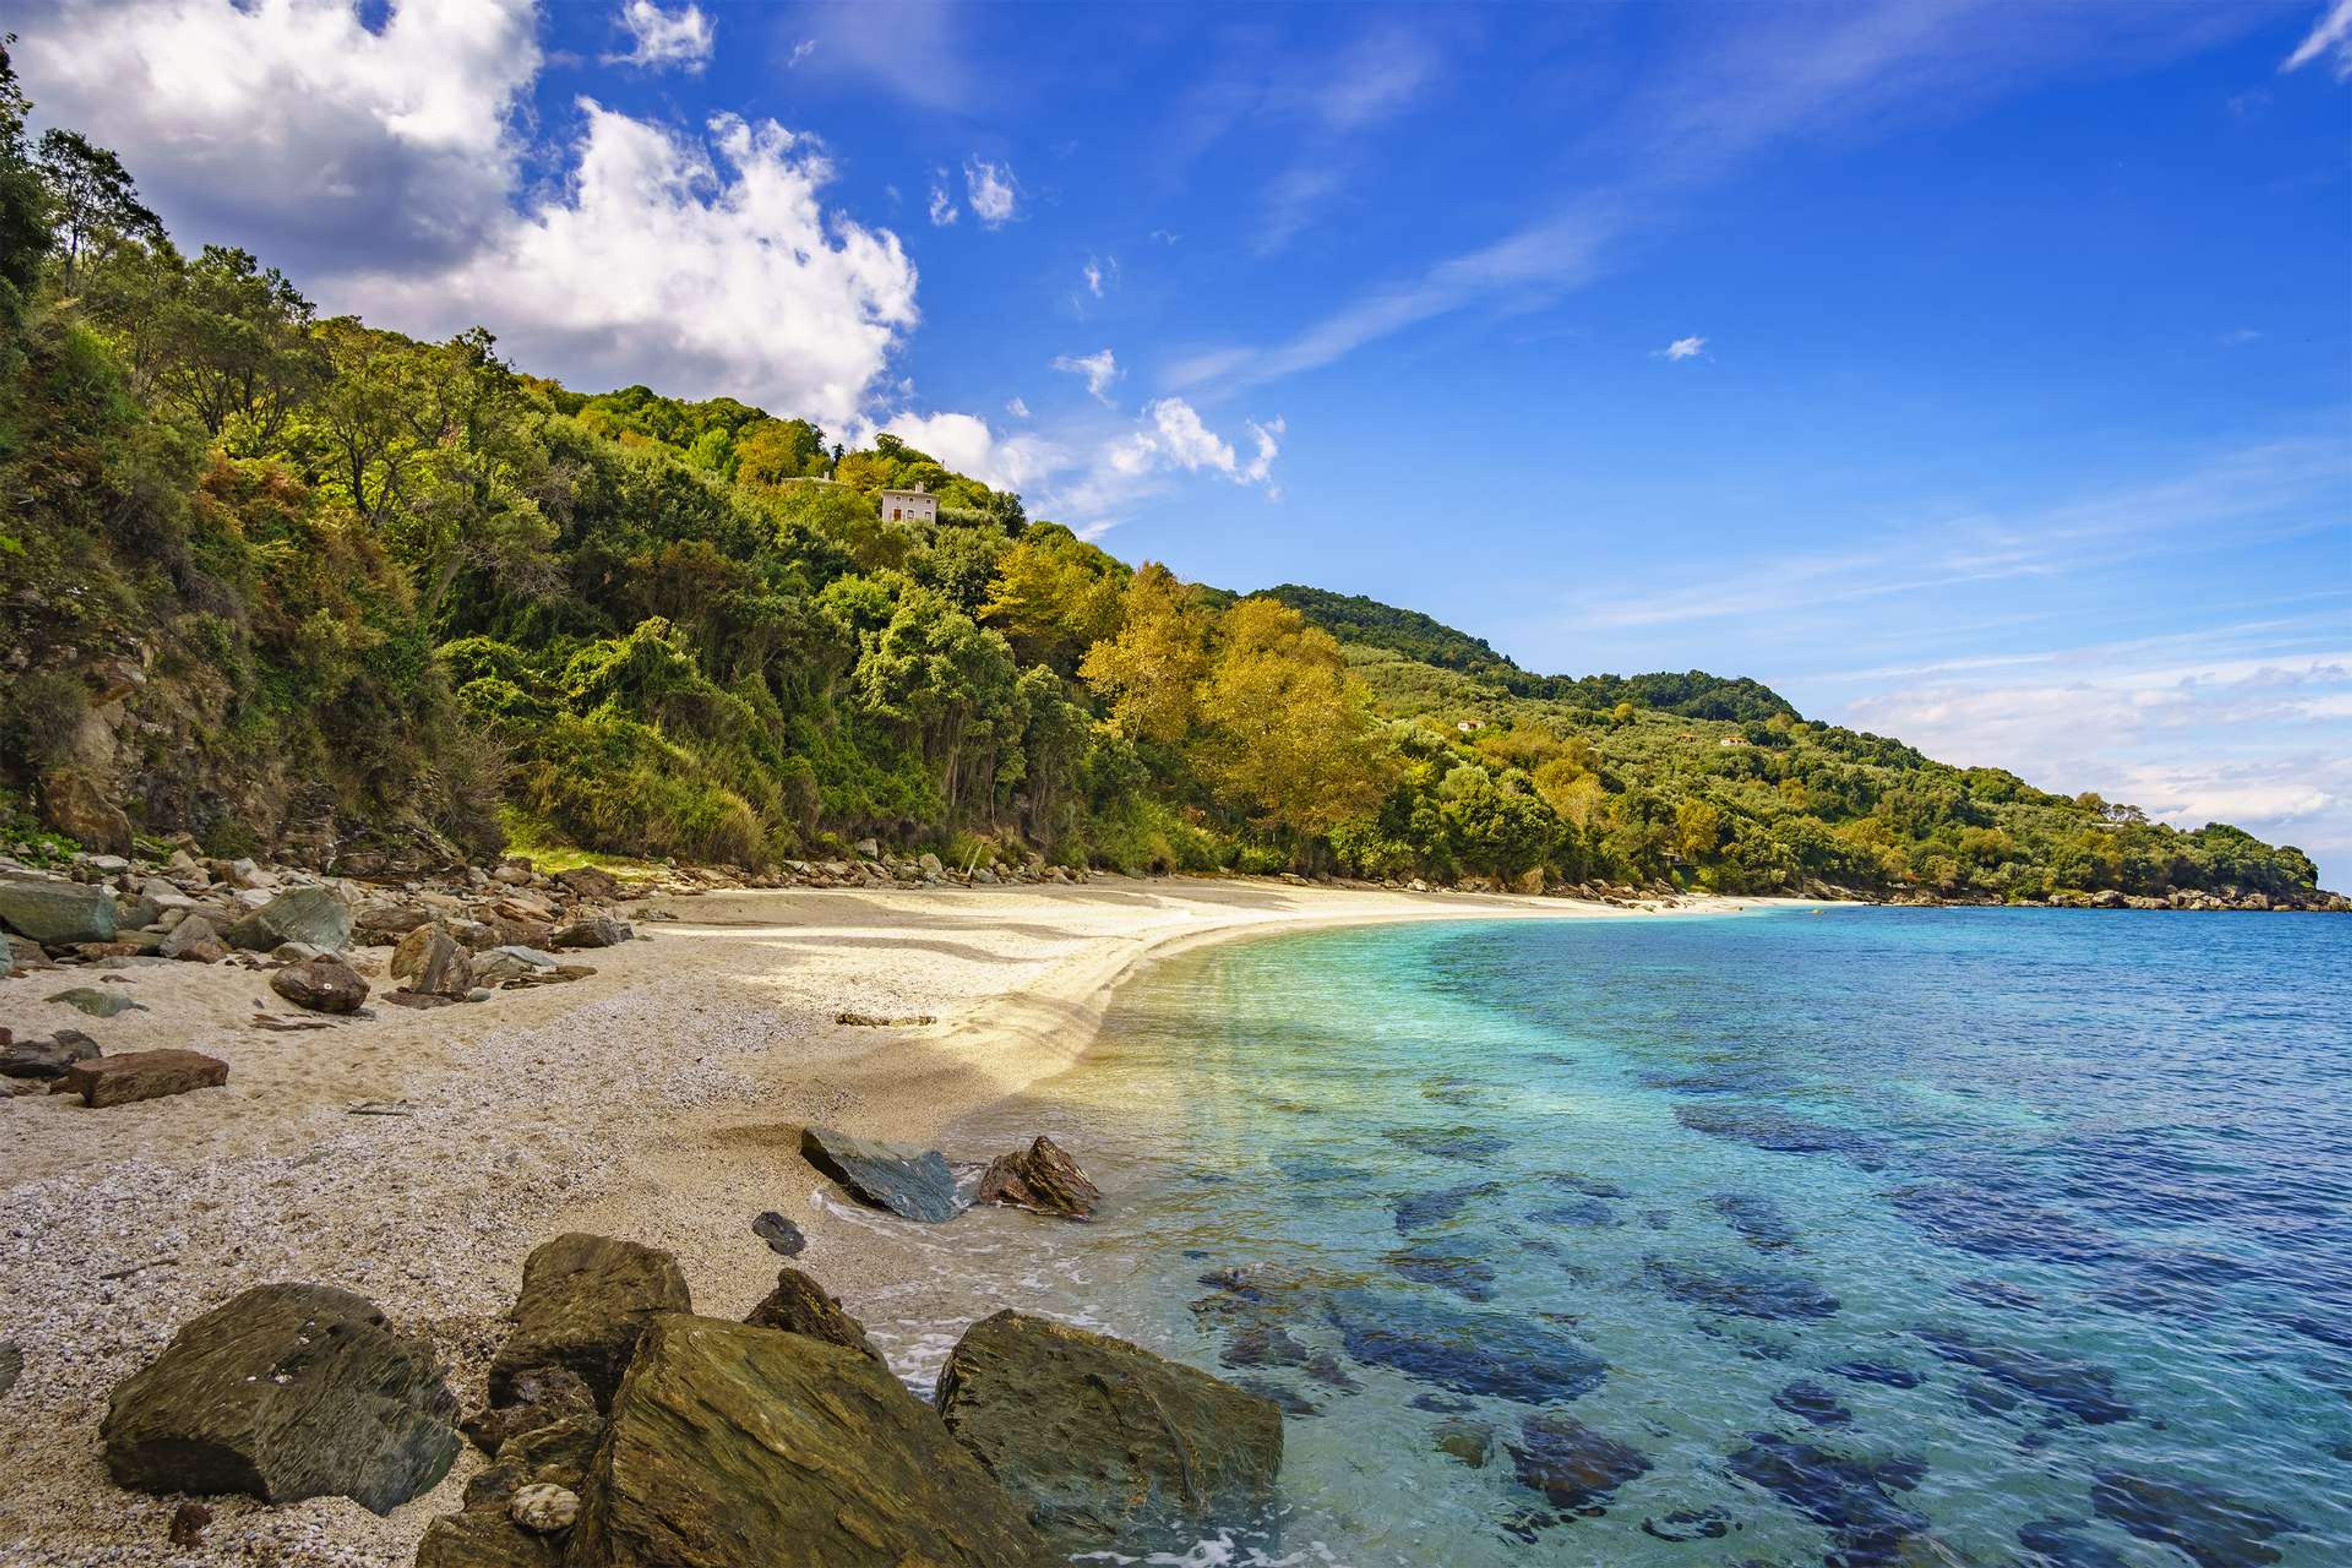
{"points": [[128, 1076], [1472, 1278], [1811, 1402], [1575, 1468], [2076, 1387], [1997, 1294], [783, 1237], [1465, 1143], [913, 1183], [584, 1303], [1288, 1400], [1588, 1212], [1258, 1343], [799, 1305], [1508, 1356], [2216, 1529], [311, 915], [1688, 1524], [286, 1392], [1441, 1404], [1042, 1179], [1848, 1496], [1879, 1373], [1468, 1441], [1994, 1223], [1658, 1220], [1591, 1187], [1106, 1444], [1322, 1171], [1745, 1292], [324, 984], [1763, 1127], [732, 1447], [46, 1058], [538, 1397], [1758, 1220], [1420, 1211], [1325, 1368], [1987, 1398], [55, 913], [2055, 1544]]}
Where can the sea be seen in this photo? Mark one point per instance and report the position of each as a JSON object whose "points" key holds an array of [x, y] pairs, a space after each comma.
{"points": [[1845, 1236]]}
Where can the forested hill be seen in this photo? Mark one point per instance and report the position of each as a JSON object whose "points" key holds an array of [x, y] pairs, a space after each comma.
{"points": [[299, 586]]}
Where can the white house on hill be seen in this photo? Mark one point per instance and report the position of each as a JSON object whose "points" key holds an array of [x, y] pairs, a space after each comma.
{"points": [[908, 506]]}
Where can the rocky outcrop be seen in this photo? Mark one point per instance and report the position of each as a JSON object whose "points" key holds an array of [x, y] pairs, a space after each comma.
{"points": [[1106, 1444], [733, 1446], [324, 984], [799, 1305], [1042, 1179], [140, 1075], [911, 1182], [313, 915], [73, 802], [586, 1300], [286, 1392], [56, 913]]}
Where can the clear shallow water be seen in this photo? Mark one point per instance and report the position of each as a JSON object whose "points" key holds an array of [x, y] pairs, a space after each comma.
{"points": [[1875, 1236]]}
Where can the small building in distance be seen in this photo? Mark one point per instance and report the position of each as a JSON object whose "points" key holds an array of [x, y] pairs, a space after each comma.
{"points": [[908, 506], [1733, 740], [1468, 725]]}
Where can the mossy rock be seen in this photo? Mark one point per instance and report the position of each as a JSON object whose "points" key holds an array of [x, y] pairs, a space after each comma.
{"points": [[586, 1300]]}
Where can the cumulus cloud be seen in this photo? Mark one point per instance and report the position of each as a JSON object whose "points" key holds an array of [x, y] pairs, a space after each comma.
{"points": [[659, 39], [1099, 370], [722, 275], [1683, 348], [2332, 38], [990, 190], [1173, 435], [288, 126], [965, 443]]}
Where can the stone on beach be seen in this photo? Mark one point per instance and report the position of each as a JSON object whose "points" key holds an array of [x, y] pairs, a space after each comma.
{"points": [[586, 1300], [799, 1305], [97, 1004], [312, 915], [323, 984], [1042, 1179], [432, 963], [734, 1446], [286, 1392], [1107, 1444], [596, 930], [913, 1183], [783, 1237], [133, 1075], [47, 1057], [56, 913]]}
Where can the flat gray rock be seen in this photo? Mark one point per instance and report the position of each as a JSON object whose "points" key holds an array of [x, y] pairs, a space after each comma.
{"points": [[312, 915], [55, 913], [911, 1182]]}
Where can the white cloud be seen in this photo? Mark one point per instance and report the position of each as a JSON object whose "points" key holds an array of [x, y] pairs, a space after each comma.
{"points": [[1100, 371], [659, 38], [1173, 435], [990, 190], [943, 209], [1093, 274], [655, 262], [289, 126], [2332, 37], [1016, 407], [965, 443], [801, 51], [1683, 348]]}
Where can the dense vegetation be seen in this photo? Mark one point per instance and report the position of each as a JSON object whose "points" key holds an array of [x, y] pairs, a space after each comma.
{"points": [[278, 579]]}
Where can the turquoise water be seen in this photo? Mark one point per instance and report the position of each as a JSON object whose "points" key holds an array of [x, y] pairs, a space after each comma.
{"points": [[1866, 1236]]}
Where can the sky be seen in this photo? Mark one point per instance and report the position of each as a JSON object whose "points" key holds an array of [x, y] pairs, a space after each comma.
{"points": [[1975, 373]]}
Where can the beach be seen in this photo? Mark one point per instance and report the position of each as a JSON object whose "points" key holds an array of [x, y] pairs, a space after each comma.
{"points": [[418, 1157]]}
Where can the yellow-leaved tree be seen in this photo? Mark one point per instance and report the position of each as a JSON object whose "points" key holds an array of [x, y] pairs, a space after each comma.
{"points": [[1150, 673], [1290, 734]]}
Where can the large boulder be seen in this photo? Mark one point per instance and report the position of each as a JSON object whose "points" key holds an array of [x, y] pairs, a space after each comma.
{"points": [[586, 1300], [1106, 1444], [72, 803], [911, 1182], [799, 1305], [593, 931], [196, 939], [324, 984], [1042, 1179], [734, 1446], [55, 912], [140, 1075], [286, 1392], [313, 915], [432, 963], [49, 1057]]}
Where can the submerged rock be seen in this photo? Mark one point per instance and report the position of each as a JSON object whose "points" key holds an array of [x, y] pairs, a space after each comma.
{"points": [[1575, 1468], [1042, 1179], [1764, 1127], [323, 984], [1465, 1143], [733, 1446], [2215, 1529], [2076, 1387], [1747, 1293], [586, 1300], [1509, 1356], [132, 1076], [1847, 1495], [1757, 1219], [286, 1392], [1879, 1373], [799, 1305], [1106, 1444], [1421, 1211], [1472, 1278], [913, 1183], [1468, 1441], [1811, 1402]]}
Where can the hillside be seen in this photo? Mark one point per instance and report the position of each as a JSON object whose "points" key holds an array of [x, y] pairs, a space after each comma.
{"points": [[300, 586]]}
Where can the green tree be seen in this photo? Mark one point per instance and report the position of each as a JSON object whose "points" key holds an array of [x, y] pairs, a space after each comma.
{"points": [[91, 195], [25, 237]]}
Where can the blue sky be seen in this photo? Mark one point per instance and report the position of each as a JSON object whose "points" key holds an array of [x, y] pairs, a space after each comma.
{"points": [[1971, 371]]}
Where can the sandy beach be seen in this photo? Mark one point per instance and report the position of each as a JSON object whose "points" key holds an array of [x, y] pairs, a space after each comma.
{"points": [[418, 1157]]}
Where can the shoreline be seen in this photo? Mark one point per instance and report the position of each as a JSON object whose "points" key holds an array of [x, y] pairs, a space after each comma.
{"points": [[659, 1100]]}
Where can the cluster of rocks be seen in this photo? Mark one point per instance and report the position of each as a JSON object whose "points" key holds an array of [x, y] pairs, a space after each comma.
{"points": [[873, 867], [623, 1430], [920, 1185]]}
